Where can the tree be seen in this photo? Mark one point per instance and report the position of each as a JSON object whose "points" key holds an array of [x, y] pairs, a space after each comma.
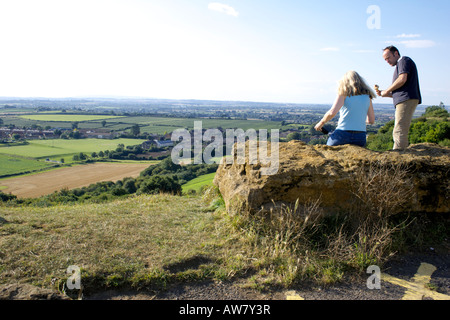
{"points": [[75, 134], [157, 184], [418, 131], [120, 147], [103, 123], [119, 191], [312, 130], [438, 133], [294, 136], [130, 186], [429, 131], [6, 197], [135, 130], [437, 111], [382, 141]]}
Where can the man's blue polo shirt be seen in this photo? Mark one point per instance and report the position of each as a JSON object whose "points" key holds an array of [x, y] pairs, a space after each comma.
{"points": [[411, 89]]}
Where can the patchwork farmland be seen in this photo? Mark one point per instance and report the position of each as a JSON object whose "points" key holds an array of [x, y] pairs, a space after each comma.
{"points": [[20, 159], [28, 162]]}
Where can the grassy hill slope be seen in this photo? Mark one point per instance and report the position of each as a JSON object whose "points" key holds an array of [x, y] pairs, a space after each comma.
{"points": [[150, 241], [125, 242]]}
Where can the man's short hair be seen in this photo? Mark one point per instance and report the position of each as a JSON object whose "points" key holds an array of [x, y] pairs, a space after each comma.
{"points": [[392, 49]]}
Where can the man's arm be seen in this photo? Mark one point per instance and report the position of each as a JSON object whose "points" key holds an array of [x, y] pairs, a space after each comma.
{"points": [[400, 82]]}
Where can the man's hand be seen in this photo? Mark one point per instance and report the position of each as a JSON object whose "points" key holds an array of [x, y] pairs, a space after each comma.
{"points": [[385, 94], [400, 82]]}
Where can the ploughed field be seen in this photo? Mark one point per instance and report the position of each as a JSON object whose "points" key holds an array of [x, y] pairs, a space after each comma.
{"points": [[44, 183]]}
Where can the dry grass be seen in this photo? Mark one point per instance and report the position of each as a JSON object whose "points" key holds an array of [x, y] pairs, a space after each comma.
{"points": [[122, 242], [299, 243], [382, 191]]}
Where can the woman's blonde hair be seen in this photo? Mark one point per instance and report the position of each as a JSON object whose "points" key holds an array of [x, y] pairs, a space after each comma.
{"points": [[352, 84]]}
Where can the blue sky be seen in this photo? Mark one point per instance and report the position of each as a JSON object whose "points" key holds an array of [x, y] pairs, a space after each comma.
{"points": [[290, 51]]}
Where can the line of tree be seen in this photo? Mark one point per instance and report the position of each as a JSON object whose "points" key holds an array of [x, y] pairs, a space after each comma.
{"points": [[433, 126], [120, 153]]}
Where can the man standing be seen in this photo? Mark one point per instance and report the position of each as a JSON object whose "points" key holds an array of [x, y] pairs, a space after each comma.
{"points": [[405, 91]]}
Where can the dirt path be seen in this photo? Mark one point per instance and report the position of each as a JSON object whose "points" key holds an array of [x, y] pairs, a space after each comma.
{"points": [[352, 288], [70, 177], [403, 267]]}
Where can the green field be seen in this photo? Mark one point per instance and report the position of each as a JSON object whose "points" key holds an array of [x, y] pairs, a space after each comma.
{"points": [[151, 125], [148, 124], [23, 159], [41, 149], [206, 123], [66, 117], [12, 165], [198, 182], [167, 125]]}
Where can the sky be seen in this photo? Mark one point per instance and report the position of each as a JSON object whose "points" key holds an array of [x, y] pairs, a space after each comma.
{"points": [[287, 51]]}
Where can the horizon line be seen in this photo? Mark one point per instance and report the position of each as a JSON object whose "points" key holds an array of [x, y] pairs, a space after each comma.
{"points": [[167, 99]]}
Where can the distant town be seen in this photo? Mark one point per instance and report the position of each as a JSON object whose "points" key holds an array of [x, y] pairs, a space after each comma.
{"points": [[19, 118]]}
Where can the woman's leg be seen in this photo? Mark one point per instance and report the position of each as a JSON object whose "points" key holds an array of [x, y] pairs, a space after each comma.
{"points": [[359, 139], [337, 138], [341, 137]]}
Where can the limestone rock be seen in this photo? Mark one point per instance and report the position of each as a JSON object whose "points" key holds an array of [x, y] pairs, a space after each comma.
{"points": [[308, 173]]}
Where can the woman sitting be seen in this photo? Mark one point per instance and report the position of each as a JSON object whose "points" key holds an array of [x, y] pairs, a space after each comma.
{"points": [[354, 104]]}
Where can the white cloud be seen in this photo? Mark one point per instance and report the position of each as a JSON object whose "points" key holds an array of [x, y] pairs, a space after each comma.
{"points": [[411, 40], [220, 7], [403, 35], [332, 49], [418, 43], [414, 43]]}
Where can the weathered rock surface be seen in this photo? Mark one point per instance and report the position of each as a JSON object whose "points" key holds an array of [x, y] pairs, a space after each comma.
{"points": [[308, 173]]}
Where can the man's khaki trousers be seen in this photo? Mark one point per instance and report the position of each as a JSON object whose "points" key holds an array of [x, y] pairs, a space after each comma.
{"points": [[403, 116]]}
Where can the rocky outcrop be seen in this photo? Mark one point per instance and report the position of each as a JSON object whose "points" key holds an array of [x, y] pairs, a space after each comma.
{"points": [[338, 176]]}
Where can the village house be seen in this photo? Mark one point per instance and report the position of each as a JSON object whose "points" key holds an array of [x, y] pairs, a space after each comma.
{"points": [[7, 133], [158, 143], [164, 143], [98, 134]]}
